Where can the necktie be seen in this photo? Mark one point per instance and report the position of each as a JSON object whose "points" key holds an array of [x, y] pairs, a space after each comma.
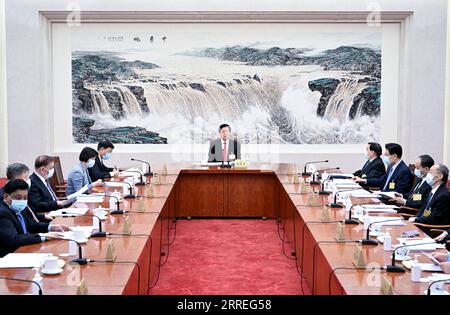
{"points": [[429, 201], [22, 223], [388, 178], [224, 151], [49, 187], [417, 187]]}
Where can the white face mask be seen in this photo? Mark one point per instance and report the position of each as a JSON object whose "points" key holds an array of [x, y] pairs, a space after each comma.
{"points": [[429, 179], [50, 173]]}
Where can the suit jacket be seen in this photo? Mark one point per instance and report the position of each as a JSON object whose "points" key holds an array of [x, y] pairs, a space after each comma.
{"points": [[99, 170], [424, 190], [215, 150], [372, 170], [11, 232], [26, 214], [78, 177], [439, 208], [402, 178], [39, 197]]}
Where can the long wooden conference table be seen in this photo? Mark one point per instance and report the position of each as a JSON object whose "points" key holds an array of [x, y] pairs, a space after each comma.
{"points": [[259, 191]]}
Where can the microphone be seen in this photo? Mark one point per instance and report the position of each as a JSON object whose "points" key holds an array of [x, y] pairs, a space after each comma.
{"points": [[80, 260], [131, 195], [100, 233], [335, 204], [322, 191], [367, 240], [149, 173], [350, 220], [141, 183], [24, 280], [305, 173], [117, 211], [393, 267], [436, 281], [314, 181], [329, 169]]}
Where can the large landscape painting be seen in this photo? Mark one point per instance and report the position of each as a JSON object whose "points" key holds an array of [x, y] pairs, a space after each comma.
{"points": [[177, 84]]}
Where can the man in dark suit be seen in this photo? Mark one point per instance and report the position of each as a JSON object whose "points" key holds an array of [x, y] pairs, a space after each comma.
{"points": [[21, 171], [15, 230], [41, 197], [374, 166], [420, 191], [398, 177], [221, 149], [100, 170], [436, 210]]}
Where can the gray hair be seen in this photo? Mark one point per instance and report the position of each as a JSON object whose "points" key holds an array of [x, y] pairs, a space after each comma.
{"points": [[444, 171], [15, 170]]}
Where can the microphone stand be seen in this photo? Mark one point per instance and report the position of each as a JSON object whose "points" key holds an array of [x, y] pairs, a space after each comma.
{"points": [[367, 240], [129, 196], [149, 173], [392, 267], [118, 210], [141, 183], [350, 220], [305, 173], [24, 280], [80, 260], [314, 181], [431, 284], [100, 233], [335, 204], [322, 191]]}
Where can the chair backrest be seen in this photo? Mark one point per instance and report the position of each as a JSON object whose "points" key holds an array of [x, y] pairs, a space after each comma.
{"points": [[3, 181], [57, 178]]}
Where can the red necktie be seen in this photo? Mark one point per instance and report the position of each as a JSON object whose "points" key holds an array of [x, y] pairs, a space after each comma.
{"points": [[224, 151]]}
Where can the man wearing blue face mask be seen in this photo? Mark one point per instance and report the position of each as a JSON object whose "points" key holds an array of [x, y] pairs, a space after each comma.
{"points": [[398, 177], [100, 170], [420, 191], [41, 197], [436, 209], [15, 231], [79, 176]]}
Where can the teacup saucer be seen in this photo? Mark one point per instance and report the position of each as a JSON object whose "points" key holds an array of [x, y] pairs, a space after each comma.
{"points": [[51, 271], [402, 258]]}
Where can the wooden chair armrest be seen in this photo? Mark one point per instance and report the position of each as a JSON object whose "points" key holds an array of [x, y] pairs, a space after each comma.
{"points": [[408, 209], [437, 231], [431, 226], [407, 215], [60, 186]]}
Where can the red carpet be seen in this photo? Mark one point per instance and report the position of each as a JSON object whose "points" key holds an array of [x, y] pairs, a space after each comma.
{"points": [[228, 257]]}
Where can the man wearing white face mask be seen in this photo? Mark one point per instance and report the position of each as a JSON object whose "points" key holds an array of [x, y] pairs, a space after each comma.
{"points": [[436, 209], [15, 231], [41, 197], [21, 171], [79, 176], [398, 177], [100, 170], [419, 193]]}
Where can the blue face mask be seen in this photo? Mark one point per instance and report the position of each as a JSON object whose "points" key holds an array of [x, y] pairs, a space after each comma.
{"points": [[18, 205], [418, 173], [107, 156], [429, 179], [90, 163], [386, 160]]}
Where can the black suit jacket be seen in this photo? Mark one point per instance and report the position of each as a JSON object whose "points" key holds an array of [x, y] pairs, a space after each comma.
{"points": [[11, 232], [27, 214], [39, 198], [423, 191], [439, 207], [372, 170], [402, 178], [99, 170]]}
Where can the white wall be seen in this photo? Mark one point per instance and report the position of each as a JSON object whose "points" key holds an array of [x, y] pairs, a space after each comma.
{"points": [[422, 85], [3, 111], [447, 98]]}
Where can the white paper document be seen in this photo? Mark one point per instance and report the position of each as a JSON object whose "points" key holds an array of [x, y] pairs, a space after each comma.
{"points": [[397, 222], [79, 192], [23, 260], [379, 206], [413, 248], [90, 198], [87, 230]]}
